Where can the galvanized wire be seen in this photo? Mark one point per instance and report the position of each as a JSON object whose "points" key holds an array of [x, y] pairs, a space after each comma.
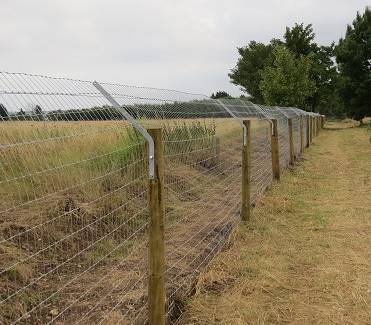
{"points": [[74, 208]]}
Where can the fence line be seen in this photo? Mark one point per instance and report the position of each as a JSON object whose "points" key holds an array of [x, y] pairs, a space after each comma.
{"points": [[75, 164]]}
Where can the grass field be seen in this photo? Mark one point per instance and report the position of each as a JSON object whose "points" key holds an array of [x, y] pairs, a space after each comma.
{"points": [[74, 213], [74, 216], [305, 256]]}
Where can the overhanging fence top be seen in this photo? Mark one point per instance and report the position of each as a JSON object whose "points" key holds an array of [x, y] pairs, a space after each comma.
{"points": [[36, 97]]}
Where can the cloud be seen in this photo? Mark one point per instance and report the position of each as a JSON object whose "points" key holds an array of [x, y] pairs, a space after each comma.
{"points": [[188, 45]]}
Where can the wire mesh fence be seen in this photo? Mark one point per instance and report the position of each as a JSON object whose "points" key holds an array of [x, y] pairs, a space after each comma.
{"points": [[74, 171]]}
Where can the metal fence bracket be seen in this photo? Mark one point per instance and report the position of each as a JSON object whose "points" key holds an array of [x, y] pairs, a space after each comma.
{"points": [[136, 125]]}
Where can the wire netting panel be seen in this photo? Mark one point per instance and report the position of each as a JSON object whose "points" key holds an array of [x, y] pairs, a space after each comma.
{"points": [[283, 143], [283, 136], [203, 184], [202, 152], [74, 188], [261, 158]]}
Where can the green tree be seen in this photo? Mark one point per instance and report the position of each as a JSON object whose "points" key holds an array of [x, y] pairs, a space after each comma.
{"points": [[300, 40], [3, 113], [247, 72], [37, 113], [326, 99], [287, 82], [220, 94], [353, 55]]}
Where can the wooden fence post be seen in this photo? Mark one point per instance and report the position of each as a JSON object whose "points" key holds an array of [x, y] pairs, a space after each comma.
{"points": [[307, 121], [291, 141], [246, 174], [156, 287], [317, 125], [275, 150], [311, 129], [301, 134]]}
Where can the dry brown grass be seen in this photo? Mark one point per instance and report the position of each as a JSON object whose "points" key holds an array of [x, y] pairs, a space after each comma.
{"points": [[50, 170], [305, 256]]}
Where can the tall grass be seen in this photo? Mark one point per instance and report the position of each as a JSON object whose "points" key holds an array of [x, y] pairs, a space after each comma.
{"points": [[83, 181]]}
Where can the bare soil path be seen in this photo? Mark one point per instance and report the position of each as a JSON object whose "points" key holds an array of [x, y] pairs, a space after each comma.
{"points": [[305, 257]]}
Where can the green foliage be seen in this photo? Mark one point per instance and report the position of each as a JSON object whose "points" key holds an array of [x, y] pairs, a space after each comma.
{"points": [[257, 57], [247, 73], [353, 55], [194, 143], [220, 94], [37, 113], [299, 39], [325, 99], [184, 136], [3, 112], [287, 82], [127, 152], [195, 109]]}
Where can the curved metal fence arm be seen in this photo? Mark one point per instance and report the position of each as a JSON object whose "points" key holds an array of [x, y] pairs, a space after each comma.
{"points": [[136, 125], [237, 118], [263, 112]]}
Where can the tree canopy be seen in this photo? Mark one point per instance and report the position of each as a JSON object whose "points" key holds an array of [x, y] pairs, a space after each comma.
{"points": [[300, 39], [287, 81], [3, 112], [220, 94], [258, 62], [247, 73], [353, 55]]}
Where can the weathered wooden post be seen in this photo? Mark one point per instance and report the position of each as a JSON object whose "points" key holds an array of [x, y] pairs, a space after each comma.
{"points": [[156, 287], [301, 134], [275, 150], [246, 173], [291, 141], [317, 125], [311, 129], [307, 121]]}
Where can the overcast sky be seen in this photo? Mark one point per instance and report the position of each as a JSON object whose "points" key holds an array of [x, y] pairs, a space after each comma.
{"points": [[178, 44]]}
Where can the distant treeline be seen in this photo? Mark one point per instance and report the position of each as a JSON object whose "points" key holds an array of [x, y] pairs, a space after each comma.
{"points": [[194, 109]]}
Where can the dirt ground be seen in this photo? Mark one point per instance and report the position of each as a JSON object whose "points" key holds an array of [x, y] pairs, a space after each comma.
{"points": [[305, 255]]}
